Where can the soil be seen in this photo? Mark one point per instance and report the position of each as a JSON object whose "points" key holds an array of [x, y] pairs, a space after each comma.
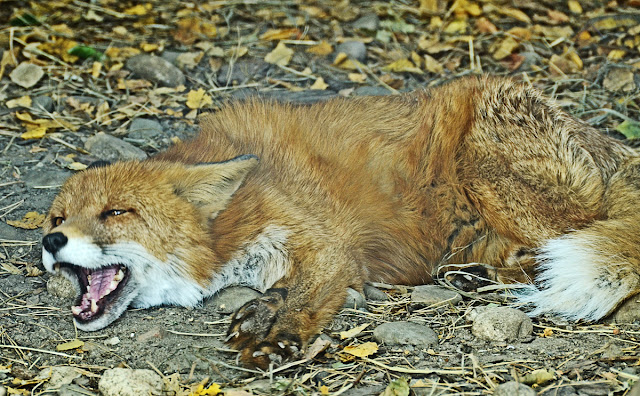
{"points": [[585, 359]]}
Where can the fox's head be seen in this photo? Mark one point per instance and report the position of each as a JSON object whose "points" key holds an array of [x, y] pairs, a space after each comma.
{"points": [[136, 233]]}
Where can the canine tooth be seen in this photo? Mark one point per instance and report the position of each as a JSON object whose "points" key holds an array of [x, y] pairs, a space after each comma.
{"points": [[56, 267], [94, 306], [119, 276], [76, 310], [89, 278]]}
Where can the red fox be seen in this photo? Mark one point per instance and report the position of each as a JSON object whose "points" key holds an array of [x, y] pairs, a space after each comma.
{"points": [[302, 202]]}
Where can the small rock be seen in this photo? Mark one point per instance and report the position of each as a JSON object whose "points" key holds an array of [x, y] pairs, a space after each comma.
{"points": [[369, 22], [41, 176], [628, 312], [355, 300], [156, 69], [353, 49], [375, 294], [127, 382], [619, 79], [59, 286], [232, 298], [371, 91], [43, 102], [3, 391], [26, 74], [405, 333], [112, 341], [143, 128], [74, 390], [242, 71], [303, 97], [564, 390], [156, 333], [502, 324], [434, 295], [58, 376], [513, 388], [110, 148]]}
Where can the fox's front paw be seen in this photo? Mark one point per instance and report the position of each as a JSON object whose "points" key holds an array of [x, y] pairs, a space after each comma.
{"points": [[255, 332]]}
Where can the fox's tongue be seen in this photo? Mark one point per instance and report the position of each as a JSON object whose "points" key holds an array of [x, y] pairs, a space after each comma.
{"points": [[101, 282]]}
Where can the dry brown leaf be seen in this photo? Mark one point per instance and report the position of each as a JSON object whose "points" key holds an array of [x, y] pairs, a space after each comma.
{"points": [[133, 85], [402, 65], [357, 77], [362, 350], [34, 133], [485, 26], [515, 14], [353, 332], [189, 60], [615, 54], [281, 55], [557, 16], [60, 47], [319, 345], [432, 65], [23, 101], [121, 53], [66, 346], [428, 6], [10, 268], [574, 6], [30, 221], [280, 34], [319, 84], [149, 47], [198, 99], [458, 25], [324, 48], [138, 10], [505, 48]]}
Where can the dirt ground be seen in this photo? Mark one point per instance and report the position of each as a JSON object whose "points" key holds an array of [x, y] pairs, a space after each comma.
{"points": [[583, 53]]}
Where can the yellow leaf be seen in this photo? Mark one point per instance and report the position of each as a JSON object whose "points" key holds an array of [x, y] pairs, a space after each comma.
{"points": [[428, 6], [281, 55], [121, 53], [75, 344], [506, 47], [615, 54], [319, 84], [402, 65], [456, 26], [198, 99], [148, 47], [96, 67], [10, 268], [515, 14], [35, 133], [138, 10], [77, 166], [23, 101], [212, 390], [279, 34], [362, 350], [357, 77], [574, 6], [432, 65], [324, 390], [324, 48], [353, 332], [30, 221], [15, 391]]}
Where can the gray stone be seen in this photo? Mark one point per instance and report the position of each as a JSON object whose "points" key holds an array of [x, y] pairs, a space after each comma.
{"points": [[375, 294], [434, 296], [232, 298], [156, 69], [42, 102], [564, 390], [143, 128], [371, 91], [302, 97], [502, 324], [73, 390], [110, 148], [369, 22], [59, 286], [405, 333], [58, 376], [26, 74], [127, 382], [242, 71], [39, 177], [513, 388], [628, 312], [355, 300], [354, 50]]}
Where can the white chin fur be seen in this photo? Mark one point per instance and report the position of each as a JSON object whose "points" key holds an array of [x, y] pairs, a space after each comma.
{"points": [[576, 281]]}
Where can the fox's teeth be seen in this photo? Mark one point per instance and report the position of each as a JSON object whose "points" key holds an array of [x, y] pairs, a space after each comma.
{"points": [[89, 278], [112, 286], [119, 276], [76, 310], [56, 267], [94, 306]]}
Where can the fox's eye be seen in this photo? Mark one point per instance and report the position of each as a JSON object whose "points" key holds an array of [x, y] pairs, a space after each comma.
{"points": [[56, 221], [112, 213]]}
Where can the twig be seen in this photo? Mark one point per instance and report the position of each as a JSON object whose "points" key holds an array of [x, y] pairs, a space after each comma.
{"points": [[40, 350]]}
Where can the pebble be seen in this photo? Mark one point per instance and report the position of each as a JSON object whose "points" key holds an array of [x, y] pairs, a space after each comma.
{"points": [[371, 91], [628, 312], [59, 286], [43, 102], [127, 382], [143, 128], [619, 79], [513, 388], [154, 333], [26, 74], [375, 294], [566, 390], [3, 390], [41, 176], [353, 49], [434, 295], [405, 333], [355, 300], [110, 148], [156, 69], [242, 71], [369, 22], [501, 324], [303, 97], [232, 298]]}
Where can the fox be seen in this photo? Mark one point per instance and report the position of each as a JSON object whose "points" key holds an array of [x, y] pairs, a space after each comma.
{"points": [[302, 202]]}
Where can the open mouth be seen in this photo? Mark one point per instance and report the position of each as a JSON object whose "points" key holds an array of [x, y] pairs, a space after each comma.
{"points": [[99, 289]]}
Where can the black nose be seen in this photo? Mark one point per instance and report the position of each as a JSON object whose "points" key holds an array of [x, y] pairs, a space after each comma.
{"points": [[54, 242]]}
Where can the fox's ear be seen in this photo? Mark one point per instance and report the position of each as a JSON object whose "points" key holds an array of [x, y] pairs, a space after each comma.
{"points": [[210, 186]]}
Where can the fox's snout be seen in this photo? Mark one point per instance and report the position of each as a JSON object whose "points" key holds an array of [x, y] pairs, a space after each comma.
{"points": [[53, 242]]}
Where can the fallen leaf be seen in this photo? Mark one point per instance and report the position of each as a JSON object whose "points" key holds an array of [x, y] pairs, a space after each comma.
{"points": [[428, 6], [319, 84], [324, 390], [280, 34], [616, 54], [60, 47], [397, 387], [539, 377], [515, 14], [138, 10], [324, 48], [35, 133], [456, 26], [319, 345], [30, 221], [362, 350], [574, 6], [353, 332], [76, 166], [149, 47], [189, 60], [402, 65], [23, 101], [357, 77], [198, 99], [630, 129], [66, 346], [26, 74], [10, 268], [432, 65], [505, 48], [485, 26], [281, 55]]}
